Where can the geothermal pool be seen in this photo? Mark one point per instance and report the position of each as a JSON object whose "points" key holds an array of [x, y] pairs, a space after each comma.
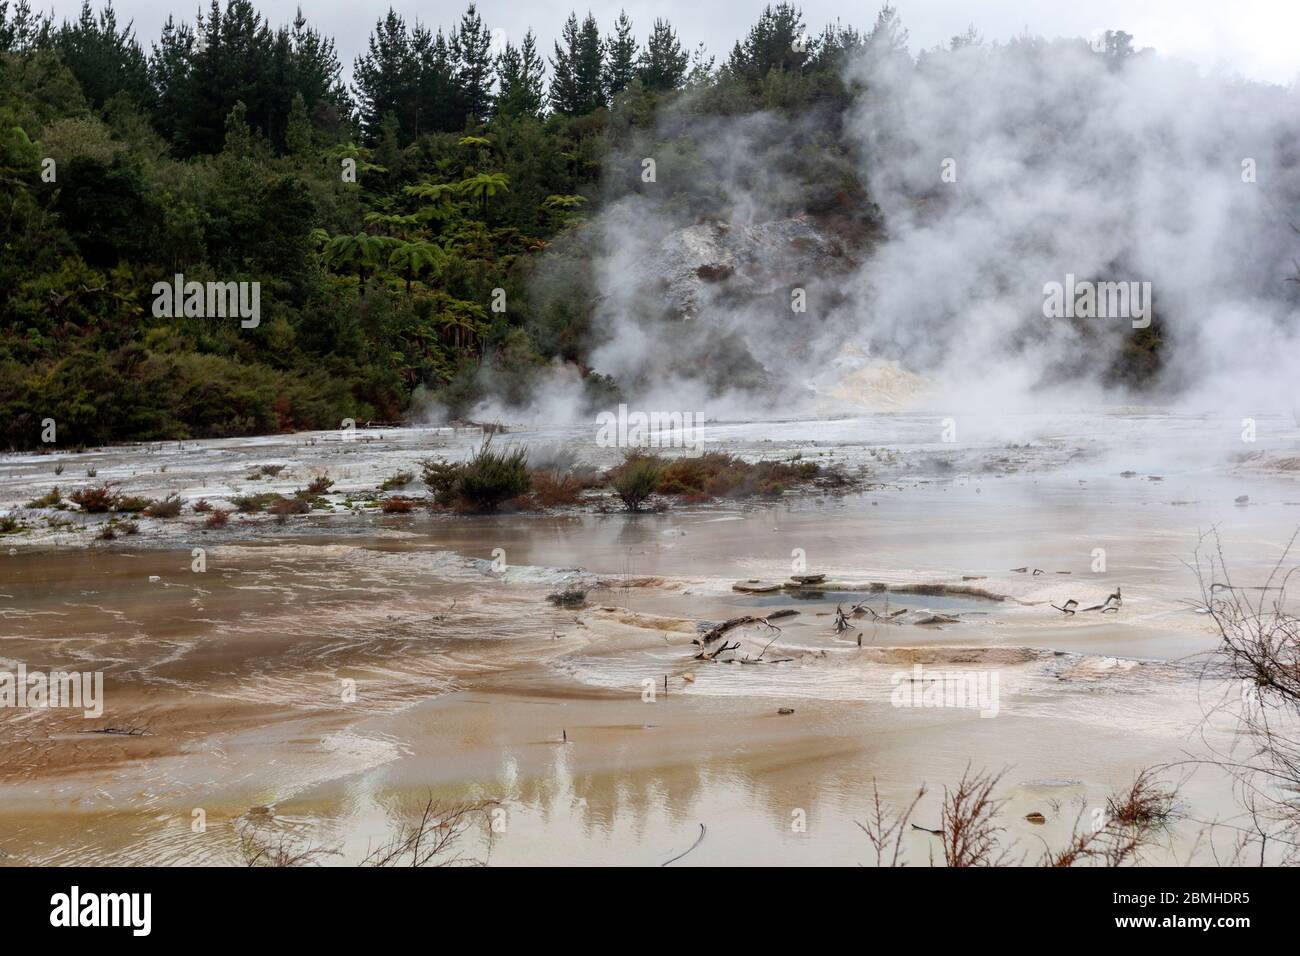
{"points": [[321, 679]]}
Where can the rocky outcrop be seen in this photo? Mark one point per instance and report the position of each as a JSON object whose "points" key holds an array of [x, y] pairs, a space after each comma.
{"points": [[735, 262]]}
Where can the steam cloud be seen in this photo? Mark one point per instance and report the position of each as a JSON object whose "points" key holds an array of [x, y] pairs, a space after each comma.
{"points": [[1066, 162]]}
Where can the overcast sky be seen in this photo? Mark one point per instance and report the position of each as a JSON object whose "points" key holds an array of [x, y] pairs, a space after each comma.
{"points": [[1256, 38]]}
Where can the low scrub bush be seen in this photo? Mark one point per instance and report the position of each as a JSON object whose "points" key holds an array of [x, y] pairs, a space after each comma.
{"points": [[636, 479], [483, 483], [252, 504], [397, 480], [285, 507], [51, 499], [168, 507], [95, 499]]}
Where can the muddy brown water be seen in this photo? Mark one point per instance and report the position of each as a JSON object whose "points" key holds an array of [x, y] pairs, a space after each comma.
{"points": [[318, 683]]}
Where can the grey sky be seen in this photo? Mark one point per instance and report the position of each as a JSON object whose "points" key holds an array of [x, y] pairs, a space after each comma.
{"points": [[1251, 37]]}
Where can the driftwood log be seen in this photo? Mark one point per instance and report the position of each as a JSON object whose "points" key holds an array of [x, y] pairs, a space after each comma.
{"points": [[718, 633]]}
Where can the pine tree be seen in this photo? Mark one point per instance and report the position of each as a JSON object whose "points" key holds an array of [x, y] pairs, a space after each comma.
{"points": [[589, 70], [520, 70], [578, 67], [565, 97], [385, 76], [779, 41], [620, 67], [437, 105], [26, 31], [298, 134], [662, 66], [104, 60], [169, 67], [888, 37], [472, 67]]}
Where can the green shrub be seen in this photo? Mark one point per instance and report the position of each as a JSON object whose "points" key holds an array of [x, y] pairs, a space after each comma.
{"points": [[442, 478], [491, 477], [636, 479], [483, 482]]}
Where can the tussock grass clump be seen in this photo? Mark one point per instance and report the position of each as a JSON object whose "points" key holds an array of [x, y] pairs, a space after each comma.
{"points": [[10, 525], [252, 504], [397, 505], [557, 478], [217, 519], [51, 499], [397, 480]]}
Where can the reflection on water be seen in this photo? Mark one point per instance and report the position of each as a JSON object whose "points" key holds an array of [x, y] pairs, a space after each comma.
{"points": [[339, 680]]}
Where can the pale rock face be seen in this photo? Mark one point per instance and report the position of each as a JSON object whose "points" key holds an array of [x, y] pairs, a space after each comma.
{"points": [[707, 261]]}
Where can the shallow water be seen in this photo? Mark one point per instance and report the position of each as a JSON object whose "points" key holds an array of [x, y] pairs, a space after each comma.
{"points": [[467, 681]]}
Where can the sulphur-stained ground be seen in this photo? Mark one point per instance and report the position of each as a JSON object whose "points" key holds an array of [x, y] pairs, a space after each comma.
{"points": [[317, 681]]}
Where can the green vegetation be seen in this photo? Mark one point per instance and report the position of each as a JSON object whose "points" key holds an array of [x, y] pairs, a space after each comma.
{"points": [[397, 480], [168, 507], [489, 479], [696, 478], [719, 475], [95, 499], [51, 499], [395, 227], [636, 479], [282, 508], [483, 483], [252, 504]]}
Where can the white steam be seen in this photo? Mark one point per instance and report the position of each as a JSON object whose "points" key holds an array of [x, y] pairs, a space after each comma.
{"points": [[1066, 163]]}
